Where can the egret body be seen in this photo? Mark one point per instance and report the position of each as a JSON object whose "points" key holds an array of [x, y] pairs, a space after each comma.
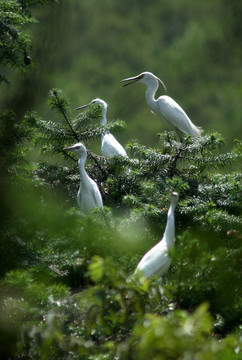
{"points": [[157, 261], [88, 196], [165, 107], [110, 146]]}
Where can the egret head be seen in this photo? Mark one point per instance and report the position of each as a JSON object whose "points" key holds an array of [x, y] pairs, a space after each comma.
{"points": [[174, 198], [146, 78], [78, 148], [97, 101]]}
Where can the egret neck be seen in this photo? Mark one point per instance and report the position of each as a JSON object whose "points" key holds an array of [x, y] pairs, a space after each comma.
{"points": [[82, 171], [150, 95], [169, 234], [103, 120]]}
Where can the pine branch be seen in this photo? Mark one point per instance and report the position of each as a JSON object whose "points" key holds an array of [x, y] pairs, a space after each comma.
{"points": [[59, 103]]}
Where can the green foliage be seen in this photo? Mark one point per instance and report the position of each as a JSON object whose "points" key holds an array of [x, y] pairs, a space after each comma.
{"points": [[13, 167], [150, 174], [15, 41], [66, 131], [211, 261], [118, 316], [156, 336], [195, 48], [68, 289]]}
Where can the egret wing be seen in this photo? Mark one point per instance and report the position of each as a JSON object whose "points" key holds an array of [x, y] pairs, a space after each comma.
{"points": [[79, 197], [111, 147], [97, 195], [154, 261], [172, 112]]}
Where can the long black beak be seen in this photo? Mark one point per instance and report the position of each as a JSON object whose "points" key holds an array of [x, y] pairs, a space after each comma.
{"points": [[82, 107], [69, 148], [131, 80]]}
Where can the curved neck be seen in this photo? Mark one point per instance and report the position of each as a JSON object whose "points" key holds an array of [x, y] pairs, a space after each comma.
{"points": [[150, 94], [82, 171], [169, 233], [103, 120]]}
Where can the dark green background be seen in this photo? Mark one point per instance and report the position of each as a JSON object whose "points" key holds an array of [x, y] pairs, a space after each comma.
{"points": [[87, 47]]}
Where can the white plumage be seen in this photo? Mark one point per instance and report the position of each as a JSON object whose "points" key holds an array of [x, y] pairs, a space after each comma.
{"points": [[157, 260], [109, 146], [165, 107], [88, 196]]}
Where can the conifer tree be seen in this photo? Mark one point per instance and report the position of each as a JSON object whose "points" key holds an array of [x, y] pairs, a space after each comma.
{"points": [[15, 41], [67, 287], [74, 287], [209, 198]]}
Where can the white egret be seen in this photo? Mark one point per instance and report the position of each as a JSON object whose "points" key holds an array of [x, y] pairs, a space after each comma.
{"points": [[110, 146], [88, 196], [165, 107], [157, 260]]}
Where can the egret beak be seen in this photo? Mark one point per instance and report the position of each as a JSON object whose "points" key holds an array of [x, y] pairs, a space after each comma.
{"points": [[70, 148], [83, 106], [132, 80]]}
